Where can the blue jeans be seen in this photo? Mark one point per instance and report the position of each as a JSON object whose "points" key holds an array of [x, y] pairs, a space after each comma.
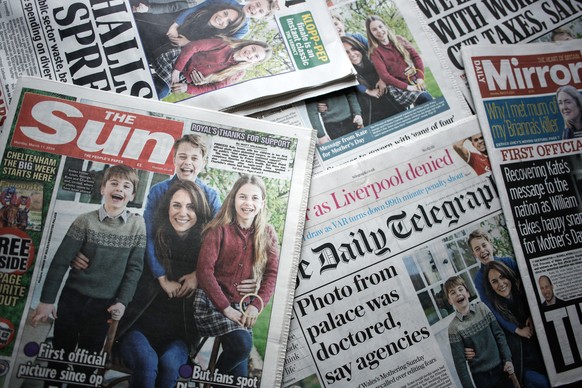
{"points": [[152, 368], [236, 348], [422, 98]]}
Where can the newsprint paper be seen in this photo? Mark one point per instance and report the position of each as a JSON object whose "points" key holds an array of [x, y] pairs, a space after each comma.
{"points": [[181, 51], [528, 102], [454, 24], [58, 145], [382, 238]]}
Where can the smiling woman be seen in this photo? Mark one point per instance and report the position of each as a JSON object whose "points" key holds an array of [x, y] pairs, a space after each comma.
{"points": [[157, 330], [505, 291]]}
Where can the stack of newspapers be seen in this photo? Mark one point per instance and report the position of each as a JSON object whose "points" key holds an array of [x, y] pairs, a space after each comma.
{"points": [[296, 193]]}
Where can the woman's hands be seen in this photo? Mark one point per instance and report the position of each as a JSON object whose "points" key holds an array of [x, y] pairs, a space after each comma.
{"points": [[189, 285], [179, 40], [170, 287], [183, 288], [419, 86]]}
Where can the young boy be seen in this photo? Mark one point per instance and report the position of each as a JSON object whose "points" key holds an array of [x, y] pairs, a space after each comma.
{"points": [[115, 239], [474, 326]]}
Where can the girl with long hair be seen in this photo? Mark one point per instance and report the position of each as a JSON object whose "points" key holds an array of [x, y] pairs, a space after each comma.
{"points": [[506, 295], [398, 64], [237, 244], [376, 104], [570, 105], [205, 65], [157, 330]]}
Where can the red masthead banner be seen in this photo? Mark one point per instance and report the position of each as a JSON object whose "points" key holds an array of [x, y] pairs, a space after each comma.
{"points": [[64, 127], [524, 75]]}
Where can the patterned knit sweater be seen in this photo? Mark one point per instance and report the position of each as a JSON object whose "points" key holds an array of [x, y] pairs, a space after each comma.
{"points": [[115, 248]]}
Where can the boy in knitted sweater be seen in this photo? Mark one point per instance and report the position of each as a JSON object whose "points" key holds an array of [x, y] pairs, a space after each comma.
{"points": [[474, 326], [115, 239]]}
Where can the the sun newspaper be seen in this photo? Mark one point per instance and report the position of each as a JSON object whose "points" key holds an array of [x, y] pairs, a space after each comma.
{"points": [[453, 24], [125, 46], [382, 237], [529, 104], [58, 142]]}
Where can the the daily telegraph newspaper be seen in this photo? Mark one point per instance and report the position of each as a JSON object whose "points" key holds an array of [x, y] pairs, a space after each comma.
{"points": [[455, 23], [382, 237], [216, 54], [528, 102], [65, 150]]}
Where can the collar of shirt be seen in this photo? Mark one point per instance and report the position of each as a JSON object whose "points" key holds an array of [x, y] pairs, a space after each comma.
{"points": [[460, 316], [103, 214]]}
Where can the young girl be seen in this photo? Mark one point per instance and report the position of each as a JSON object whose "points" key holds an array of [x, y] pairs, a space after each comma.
{"points": [[397, 63], [236, 244], [208, 64]]}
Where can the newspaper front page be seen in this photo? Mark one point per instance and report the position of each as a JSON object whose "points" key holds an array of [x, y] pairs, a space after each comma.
{"points": [[528, 101], [65, 149], [454, 24], [381, 112], [382, 238], [217, 54]]}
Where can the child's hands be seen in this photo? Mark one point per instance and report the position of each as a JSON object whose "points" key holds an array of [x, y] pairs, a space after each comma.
{"points": [[170, 287], [80, 262], [117, 310], [248, 286], [43, 313], [508, 367], [189, 284], [233, 314], [249, 318]]}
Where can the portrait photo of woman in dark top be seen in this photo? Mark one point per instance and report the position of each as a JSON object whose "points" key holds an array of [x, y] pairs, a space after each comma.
{"points": [[375, 101]]}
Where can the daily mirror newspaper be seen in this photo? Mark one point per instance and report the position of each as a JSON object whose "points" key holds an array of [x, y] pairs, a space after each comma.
{"points": [[387, 242], [132, 184], [455, 23], [217, 54], [528, 102]]}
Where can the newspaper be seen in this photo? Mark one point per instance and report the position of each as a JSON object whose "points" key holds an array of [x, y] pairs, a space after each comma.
{"points": [[454, 24], [385, 123], [536, 162], [52, 176], [122, 46], [381, 238]]}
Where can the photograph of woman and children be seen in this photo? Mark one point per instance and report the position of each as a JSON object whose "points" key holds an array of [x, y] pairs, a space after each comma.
{"points": [[474, 297], [390, 70], [202, 261], [194, 47]]}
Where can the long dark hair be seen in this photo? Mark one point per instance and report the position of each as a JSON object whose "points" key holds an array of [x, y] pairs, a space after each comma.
{"points": [[197, 25], [164, 231], [366, 64], [517, 293]]}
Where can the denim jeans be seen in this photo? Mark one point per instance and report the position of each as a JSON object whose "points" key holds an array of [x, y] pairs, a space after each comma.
{"points": [[152, 368], [236, 348], [422, 98]]}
